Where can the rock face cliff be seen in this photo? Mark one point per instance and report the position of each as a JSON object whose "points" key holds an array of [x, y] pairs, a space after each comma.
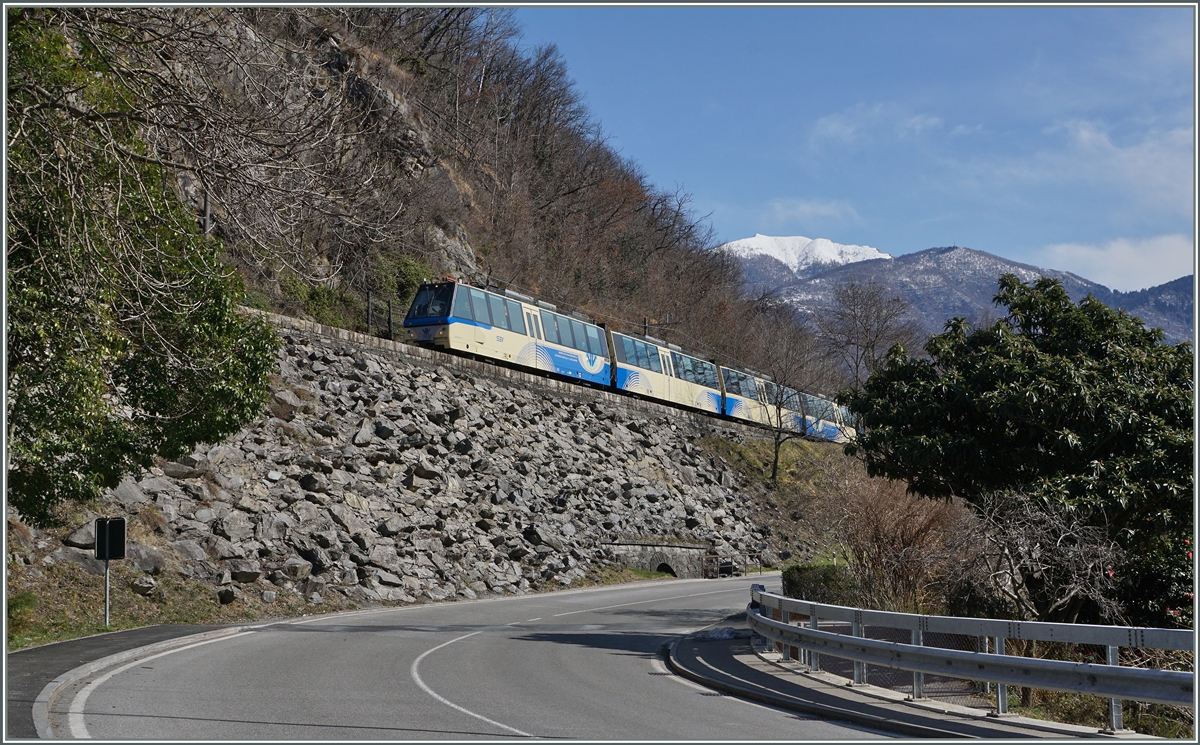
{"points": [[383, 472]]}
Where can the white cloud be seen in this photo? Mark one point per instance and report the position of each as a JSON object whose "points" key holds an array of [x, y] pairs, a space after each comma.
{"points": [[783, 212], [915, 125], [844, 128], [862, 124], [1159, 168], [1125, 264]]}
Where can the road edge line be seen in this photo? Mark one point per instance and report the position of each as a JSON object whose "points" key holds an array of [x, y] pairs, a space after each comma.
{"points": [[41, 704]]}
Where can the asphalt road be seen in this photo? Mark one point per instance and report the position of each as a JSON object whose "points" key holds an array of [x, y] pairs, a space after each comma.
{"points": [[583, 664]]}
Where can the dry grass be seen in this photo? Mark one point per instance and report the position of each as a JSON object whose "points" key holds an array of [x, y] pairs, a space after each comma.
{"points": [[65, 601]]}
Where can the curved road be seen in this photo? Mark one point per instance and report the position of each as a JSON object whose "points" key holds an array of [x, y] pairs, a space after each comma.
{"points": [[575, 664]]}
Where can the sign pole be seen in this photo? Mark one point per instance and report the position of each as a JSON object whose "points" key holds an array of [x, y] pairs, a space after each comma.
{"points": [[106, 593]]}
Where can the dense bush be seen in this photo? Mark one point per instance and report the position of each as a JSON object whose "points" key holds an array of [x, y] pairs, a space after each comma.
{"points": [[832, 584]]}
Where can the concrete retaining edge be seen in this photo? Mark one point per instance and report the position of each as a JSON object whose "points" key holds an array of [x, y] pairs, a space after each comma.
{"points": [[844, 715], [883, 694]]}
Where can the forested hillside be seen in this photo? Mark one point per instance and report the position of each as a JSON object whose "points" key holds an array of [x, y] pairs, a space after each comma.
{"points": [[340, 152]]}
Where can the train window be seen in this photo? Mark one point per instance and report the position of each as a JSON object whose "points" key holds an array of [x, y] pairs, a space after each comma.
{"points": [[643, 358], [791, 399], [431, 302], [537, 326], [499, 314], [549, 328], [580, 335], [595, 346], [516, 319], [706, 374], [683, 367], [562, 329], [655, 363], [769, 394], [818, 408], [626, 352], [479, 306], [733, 382], [462, 304]]}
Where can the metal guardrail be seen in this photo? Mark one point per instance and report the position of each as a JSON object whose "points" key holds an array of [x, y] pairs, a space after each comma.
{"points": [[1110, 680]]}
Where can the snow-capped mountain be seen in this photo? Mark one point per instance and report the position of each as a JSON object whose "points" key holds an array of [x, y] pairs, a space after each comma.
{"points": [[801, 257], [938, 283]]}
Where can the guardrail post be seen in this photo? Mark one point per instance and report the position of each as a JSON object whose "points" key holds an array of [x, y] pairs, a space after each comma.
{"points": [[1001, 689], [918, 678], [786, 617], [981, 645], [814, 657], [859, 667], [1115, 722]]}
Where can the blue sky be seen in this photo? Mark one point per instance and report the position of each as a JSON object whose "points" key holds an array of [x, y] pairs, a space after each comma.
{"points": [[1059, 137]]}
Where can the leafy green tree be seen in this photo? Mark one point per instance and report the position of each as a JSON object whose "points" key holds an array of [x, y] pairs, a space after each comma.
{"points": [[124, 340], [1074, 405]]}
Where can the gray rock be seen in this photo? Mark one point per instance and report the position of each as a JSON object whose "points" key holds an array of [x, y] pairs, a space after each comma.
{"points": [[143, 585], [384, 557], [222, 548], [82, 537], [274, 527], [129, 494], [230, 482], [366, 433], [296, 568], [144, 557], [235, 526], [228, 594], [344, 516], [85, 559], [189, 549], [269, 596], [157, 485], [314, 482], [244, 570], [393, 525], [178, 471]]}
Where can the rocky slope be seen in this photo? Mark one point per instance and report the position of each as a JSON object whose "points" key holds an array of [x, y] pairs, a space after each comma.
{"points": [[397, 475]]}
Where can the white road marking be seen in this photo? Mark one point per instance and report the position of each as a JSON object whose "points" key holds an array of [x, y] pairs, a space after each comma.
{"points": [[75, 712], [416, 676]]}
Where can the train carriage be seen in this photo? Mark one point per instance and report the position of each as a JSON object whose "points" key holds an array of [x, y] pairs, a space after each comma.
{"points": [[517, 329], [509, 327], [653, 368]]}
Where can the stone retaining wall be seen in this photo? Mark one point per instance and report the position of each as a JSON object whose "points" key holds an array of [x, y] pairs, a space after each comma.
{"points": [[384, 472]]}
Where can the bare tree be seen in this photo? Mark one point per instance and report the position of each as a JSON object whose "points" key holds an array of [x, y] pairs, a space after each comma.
{"points": [[786, 350], [863, 324], [1047, 561]]}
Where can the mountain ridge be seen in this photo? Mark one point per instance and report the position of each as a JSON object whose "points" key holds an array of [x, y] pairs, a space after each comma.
{"points": [[943, 282]]}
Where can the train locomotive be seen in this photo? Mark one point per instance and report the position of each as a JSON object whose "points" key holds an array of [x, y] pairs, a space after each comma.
{"points": [[518, 330]]}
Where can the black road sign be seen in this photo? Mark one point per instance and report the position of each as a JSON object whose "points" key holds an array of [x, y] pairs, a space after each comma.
{"points": [[110, 538]]}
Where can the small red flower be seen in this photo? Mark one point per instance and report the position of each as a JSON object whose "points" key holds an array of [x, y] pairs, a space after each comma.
{"points": [[1110, 572], [1189, 554]]}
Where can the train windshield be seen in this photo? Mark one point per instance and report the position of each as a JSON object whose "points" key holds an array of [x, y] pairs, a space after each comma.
{"points": [[432, 301]]}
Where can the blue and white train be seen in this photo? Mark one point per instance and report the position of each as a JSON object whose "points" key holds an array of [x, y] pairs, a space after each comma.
{"points": [[518, 330]]}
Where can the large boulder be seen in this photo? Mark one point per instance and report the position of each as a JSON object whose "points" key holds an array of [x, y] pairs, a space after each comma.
{"points": [[146, 558]]}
